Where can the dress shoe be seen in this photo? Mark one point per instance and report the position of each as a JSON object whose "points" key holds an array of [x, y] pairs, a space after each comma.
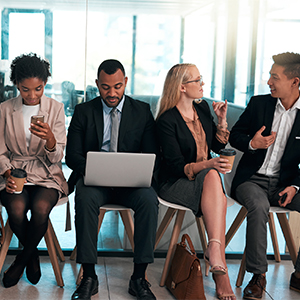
{"points": [[295, 283], [13, 274], [140, 288], [255, 287], [87, 288], [33, 269]]}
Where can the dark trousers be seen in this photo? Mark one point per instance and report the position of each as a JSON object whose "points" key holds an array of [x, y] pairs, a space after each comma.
{"points": [[257, 195], [88, 199]]}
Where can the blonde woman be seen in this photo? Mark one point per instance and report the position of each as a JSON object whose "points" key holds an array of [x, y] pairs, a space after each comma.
{"points": [[189, 176]]}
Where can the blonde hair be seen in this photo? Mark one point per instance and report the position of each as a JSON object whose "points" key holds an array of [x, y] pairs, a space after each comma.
{"points": [[171, 90]]}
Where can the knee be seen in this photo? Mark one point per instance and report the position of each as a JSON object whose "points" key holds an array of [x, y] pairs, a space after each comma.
{"points": [[41, 210], [148, 202]]}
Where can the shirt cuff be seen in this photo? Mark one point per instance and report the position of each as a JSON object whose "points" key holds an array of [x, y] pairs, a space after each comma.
{"points": [[250, 147], [296, 187]]}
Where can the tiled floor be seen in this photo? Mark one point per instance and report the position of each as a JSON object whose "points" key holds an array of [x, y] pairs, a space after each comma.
{"points": [[114, 273]]}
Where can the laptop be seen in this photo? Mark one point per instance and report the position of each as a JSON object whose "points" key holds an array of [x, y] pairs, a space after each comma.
{"points": [[119, 169]]}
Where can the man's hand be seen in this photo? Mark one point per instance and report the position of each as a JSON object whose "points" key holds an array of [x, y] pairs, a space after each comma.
{"points": [[290, 193], [262, 142]]}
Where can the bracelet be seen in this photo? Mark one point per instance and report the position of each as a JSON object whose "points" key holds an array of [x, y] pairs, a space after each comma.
{"points": [[221, 126], [50, 150]]}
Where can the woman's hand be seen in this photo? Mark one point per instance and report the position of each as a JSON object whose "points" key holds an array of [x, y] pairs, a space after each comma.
{"points": [[220, 109], [43, 131], [220, 164], [10, 184]]}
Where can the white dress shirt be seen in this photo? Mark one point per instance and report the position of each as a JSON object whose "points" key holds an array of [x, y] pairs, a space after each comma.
{"points": [[282, 124]]}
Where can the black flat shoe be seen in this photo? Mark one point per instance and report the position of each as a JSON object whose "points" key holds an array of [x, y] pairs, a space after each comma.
{"points": [[13, 274], [33, 269], [140, 288], [87, 288]]}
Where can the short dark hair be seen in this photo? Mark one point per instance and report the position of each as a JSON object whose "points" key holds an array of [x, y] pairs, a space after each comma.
{"points": [[29, 66], [291, 63], [110, 66]]}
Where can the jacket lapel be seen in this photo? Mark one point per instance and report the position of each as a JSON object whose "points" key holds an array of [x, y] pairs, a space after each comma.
{"points": [[98, 117], [269, 115], [294, 132], [126, 117], [18, 124]]}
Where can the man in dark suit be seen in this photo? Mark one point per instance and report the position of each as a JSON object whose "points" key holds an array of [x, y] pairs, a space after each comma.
{"points": [[90, 130], [268, 132]]}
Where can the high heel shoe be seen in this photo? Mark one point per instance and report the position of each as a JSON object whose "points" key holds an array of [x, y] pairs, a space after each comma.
{"points": [[216, 269], [224, 296]]}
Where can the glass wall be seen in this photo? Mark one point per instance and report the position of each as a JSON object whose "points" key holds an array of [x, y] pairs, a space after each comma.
{"points": [[231, 42]]}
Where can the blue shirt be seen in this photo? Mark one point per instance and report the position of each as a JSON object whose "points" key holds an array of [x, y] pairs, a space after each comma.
{"points": [[107, 123]]}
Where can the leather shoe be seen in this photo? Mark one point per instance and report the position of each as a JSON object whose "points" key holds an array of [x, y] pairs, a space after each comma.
{"points": [[255, 287], [87, 288], [140, 288], [295, 283]]}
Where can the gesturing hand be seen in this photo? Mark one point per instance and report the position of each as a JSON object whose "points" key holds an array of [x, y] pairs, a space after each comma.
{"points": [[262, 142], [220, 109]]}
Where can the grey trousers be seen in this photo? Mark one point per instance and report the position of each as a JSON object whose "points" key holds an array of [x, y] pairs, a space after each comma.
{"points": [[257, 195], [88, 199]]}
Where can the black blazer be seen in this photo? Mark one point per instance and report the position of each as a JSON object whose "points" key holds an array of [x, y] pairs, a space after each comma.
{"points": [[259, 112], [177, 142], [137, 133]]}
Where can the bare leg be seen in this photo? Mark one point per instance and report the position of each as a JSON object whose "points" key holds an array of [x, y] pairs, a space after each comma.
{"points": [[214, 207]]}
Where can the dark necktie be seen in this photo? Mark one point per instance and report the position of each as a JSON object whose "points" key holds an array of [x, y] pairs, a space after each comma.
{"points": [[114, 130]]}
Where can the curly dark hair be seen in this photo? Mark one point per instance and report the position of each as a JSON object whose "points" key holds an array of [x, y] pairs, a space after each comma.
{"points": [[29, 66], [291, 63]]}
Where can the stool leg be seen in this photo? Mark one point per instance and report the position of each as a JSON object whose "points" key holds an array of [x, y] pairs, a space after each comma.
{"points": [[242, 271], [53, 257], [164, 224], [6, 242], [128, 224], [172, 246], [235, 225], [59, 252], [286, 229], [274, 237]]}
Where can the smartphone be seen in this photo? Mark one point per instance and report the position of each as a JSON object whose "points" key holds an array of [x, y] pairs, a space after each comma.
{"points": [[36, 118], [283, 197]]}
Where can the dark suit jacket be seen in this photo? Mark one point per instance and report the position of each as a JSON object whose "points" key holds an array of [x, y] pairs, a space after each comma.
{"points": [[259, 112], [177, 142], [136, 133]]}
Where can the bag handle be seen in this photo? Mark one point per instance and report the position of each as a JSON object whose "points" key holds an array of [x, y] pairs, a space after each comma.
{"points": [[187, 237]]}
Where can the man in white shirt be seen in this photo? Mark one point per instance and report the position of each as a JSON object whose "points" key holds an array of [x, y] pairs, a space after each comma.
{"points": [[268, 132]]}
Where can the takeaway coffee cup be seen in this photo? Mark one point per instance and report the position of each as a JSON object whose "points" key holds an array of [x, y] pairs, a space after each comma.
{"points": [[36, 118], [19, 177], [228, 154]]}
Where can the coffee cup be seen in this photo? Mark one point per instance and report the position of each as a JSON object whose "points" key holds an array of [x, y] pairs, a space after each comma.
{"points": [[228, 154], [36, 118], [19, 177]]}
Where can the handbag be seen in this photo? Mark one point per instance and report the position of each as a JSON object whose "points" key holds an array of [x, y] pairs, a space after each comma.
{"points": [[185, 279]]}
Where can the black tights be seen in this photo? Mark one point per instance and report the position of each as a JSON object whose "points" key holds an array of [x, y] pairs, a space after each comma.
{"points": [[40, 201]]}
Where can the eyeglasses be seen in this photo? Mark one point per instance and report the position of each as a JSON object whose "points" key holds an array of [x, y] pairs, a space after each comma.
{"points": [[197, 80]]}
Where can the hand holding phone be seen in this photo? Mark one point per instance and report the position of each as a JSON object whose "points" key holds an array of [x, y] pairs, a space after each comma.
{"points": [[283, 197]]}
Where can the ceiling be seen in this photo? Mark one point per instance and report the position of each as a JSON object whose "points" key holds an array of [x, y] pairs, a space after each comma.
{"points": [[168, 7]]}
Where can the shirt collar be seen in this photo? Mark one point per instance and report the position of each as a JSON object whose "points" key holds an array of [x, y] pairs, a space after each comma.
{"points": [[107, 109], [295, 106]]}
